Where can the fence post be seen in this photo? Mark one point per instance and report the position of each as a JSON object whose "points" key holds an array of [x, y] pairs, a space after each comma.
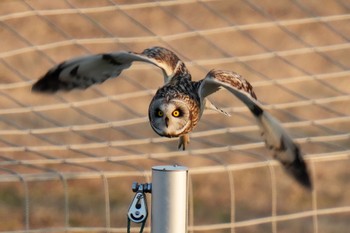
{"points": [[169, 199]]}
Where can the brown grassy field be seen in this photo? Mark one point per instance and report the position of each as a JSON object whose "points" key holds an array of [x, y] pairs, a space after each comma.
{"points": [[64, 157]]}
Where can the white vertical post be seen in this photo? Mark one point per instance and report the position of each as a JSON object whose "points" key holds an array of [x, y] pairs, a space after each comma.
{"points": [[169, 199]]}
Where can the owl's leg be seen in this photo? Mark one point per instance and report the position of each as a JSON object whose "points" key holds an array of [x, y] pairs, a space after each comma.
{"points": [[183, 141]]}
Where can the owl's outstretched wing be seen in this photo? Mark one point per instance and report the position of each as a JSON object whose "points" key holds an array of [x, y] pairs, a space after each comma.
{"points": [[276, 138], [82, 72]]}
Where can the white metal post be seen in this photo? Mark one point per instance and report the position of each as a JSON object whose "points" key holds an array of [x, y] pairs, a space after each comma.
{"points": [[169, 199]]}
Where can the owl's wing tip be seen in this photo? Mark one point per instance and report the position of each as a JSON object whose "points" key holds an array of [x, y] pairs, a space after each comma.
{"points": [[49, 83], [298, 170], [302, 177], [41, 86], [283, 148]]}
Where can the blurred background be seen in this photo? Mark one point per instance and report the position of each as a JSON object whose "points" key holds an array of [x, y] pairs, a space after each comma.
{"points": [[67, 161]]}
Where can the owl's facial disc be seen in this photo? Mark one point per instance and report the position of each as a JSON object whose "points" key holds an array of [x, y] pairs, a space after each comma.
{"points": [[169, 119]]}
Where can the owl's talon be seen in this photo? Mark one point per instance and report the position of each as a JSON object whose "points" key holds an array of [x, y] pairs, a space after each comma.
{"points": [[183, 141]]}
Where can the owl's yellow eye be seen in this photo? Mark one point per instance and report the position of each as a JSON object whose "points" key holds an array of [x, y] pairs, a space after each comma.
{"points": [[159, 113], [176, 113]]}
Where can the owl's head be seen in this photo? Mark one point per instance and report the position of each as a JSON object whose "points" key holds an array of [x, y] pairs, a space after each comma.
{"points": [[170, 118]]}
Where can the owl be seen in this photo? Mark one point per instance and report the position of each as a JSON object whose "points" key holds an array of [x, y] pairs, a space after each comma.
{"points": [[178, 105]]}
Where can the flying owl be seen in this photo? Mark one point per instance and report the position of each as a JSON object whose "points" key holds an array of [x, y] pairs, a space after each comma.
{"points": [[178, 105]]}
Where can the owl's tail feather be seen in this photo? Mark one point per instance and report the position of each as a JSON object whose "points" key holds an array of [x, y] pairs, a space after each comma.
{"points": [[282, 146]]}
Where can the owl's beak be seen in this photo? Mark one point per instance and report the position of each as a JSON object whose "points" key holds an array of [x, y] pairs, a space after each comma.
{"points": [[166, 122]]}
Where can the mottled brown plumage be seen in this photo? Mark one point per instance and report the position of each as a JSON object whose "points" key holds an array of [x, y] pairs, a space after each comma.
{"points": [[178, 106]]}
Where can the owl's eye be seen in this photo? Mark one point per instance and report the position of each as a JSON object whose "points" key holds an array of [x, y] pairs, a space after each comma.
{"points": [[176, 113], [159, 113]]}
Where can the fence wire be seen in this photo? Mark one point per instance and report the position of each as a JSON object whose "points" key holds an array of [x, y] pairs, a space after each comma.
{"points": [[67, 161]]}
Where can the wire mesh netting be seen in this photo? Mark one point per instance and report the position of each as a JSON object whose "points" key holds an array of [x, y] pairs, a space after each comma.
{"points": [[67, 161]]}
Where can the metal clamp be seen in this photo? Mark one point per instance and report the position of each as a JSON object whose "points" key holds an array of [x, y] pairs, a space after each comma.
{"points": [[138, 212]]}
